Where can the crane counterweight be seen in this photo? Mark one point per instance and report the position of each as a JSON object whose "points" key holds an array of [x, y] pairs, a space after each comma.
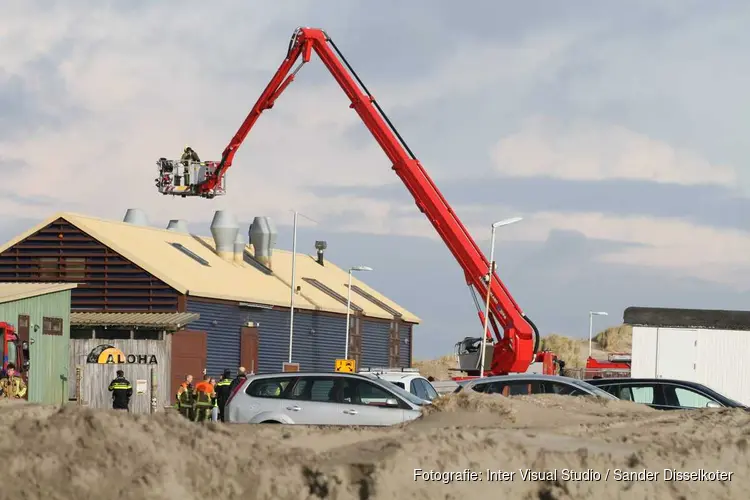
{"points": [[517, 338]]}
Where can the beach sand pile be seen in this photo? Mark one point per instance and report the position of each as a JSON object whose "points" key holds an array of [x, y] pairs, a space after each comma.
{"points": [[466, 446]]}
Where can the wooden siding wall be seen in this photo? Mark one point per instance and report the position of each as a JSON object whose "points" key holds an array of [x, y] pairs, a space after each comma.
{"points": [[96, 377], [61, 252]]}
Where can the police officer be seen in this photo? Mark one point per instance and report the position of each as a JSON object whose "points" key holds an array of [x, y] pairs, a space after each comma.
{"points": [[240, 378], [121, 392], [223, 392]]}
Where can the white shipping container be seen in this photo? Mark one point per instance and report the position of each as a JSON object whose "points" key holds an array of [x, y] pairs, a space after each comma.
{"points": [[715, 358]]}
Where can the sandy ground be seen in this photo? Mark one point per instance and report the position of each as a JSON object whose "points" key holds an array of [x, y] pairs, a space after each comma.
{"points": [[75, 453]]}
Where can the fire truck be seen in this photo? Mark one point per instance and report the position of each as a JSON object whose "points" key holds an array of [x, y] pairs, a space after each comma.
{"points": [[516, 339], [14, 350]]}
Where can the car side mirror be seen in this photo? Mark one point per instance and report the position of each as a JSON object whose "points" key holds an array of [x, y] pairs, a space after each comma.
{"points": [[391, 403], [713, 404]]}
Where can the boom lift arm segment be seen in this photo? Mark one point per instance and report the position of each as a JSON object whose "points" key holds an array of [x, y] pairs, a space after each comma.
{"points": [[517, 345]]}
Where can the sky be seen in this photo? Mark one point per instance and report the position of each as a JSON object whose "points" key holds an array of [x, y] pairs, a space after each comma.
{"points": [[618, 131]]}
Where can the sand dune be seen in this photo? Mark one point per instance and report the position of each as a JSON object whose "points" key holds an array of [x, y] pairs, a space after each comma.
{"points": [[75, 453]]}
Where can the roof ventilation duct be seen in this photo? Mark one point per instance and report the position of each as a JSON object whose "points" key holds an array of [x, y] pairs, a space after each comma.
{"points": [[224, 229], [136, 216], [178, 225], [239, 248], [263, 236]]}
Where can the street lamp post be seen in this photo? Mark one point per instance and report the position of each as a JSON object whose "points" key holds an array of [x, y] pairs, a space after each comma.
{"points": [[591, 325], [293, 285], [490, 273], [349, 304]]}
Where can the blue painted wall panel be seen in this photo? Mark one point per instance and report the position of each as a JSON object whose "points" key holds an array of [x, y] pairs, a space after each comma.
{"points": [[375, 343], [318, 338]]}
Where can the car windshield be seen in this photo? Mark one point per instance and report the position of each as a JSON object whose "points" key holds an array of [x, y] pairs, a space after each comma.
{"points": [[401, 392]]}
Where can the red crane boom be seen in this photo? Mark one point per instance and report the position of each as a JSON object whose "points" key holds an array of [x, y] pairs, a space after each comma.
{"points": [[518, 343]]}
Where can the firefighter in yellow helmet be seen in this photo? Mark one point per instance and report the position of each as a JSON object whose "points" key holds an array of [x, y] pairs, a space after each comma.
{"points": [[12, 385]]}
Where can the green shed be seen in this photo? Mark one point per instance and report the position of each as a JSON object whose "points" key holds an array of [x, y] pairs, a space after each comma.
{"points": [[40, 315]]}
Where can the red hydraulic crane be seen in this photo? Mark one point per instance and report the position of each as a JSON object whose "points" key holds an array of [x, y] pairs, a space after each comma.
{"points": [[518, 342]]}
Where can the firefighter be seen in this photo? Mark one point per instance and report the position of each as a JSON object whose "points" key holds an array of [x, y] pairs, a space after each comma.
{"points": [[121, 391], [12, 385], [204, 394], [223, 392], [186, 398]]}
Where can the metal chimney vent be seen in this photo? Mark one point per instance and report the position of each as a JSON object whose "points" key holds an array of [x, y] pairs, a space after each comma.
{"points": [[224, 229], [136, 216], [239, 248], [178, 225], [263, 236]]}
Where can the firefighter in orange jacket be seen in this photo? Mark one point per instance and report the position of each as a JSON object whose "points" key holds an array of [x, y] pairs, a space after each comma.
{"points": [[204, 397]]}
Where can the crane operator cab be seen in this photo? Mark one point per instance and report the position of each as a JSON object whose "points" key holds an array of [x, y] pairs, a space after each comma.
{"points": [[184, 177]]}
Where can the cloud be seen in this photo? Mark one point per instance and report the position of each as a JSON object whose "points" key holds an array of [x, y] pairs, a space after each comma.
{"points": [[591, 151]]}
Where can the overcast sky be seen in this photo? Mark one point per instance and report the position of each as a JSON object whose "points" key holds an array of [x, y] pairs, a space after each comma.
{"points": [[618, 130]]}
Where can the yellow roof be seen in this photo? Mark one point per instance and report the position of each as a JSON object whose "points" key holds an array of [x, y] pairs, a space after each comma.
{"points": [[209, 276], [17, 291]]}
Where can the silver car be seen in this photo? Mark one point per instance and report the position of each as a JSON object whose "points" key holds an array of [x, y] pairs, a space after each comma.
{"points": [[321, 398], [528, 383]]}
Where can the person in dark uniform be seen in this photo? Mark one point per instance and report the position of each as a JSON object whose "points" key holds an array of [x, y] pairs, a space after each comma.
{"points": [[222, 392], [121, 392], [240, 378]]}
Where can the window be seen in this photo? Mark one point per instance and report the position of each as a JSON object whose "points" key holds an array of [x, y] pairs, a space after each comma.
{"points": [[331, 293], [691, 399], [315, 389], [49, 267], [366, 393], [519, 389], [52, 326], [114, 334], [644, 394], [418, 389], [190, 254], [399, 384], [430, 390], [75, 268], [81, 333], [268, 387], [375, 301], [483, 387], [558, 388]]}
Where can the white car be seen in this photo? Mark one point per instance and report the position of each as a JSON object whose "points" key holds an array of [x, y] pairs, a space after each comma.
{"points": [[408, 379], [321, 398]]}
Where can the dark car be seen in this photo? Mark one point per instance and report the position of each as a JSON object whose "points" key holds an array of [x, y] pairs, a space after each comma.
{"points": [[665, 394], [532, 383]]}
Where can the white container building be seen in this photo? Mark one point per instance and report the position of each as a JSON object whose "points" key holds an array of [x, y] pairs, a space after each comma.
{"points": [[705, 346]]}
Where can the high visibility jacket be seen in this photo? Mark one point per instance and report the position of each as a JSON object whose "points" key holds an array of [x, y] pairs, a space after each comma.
{"points": [[204, 393], [12, 387], [185, 395], [121, 392]]}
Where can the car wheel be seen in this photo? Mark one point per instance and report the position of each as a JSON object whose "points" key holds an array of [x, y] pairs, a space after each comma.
{"points": [[270, 422]]}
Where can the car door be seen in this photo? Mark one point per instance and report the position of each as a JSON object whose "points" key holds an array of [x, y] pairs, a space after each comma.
{"points": [[261, 399], [366, 404], [315, 400]]}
